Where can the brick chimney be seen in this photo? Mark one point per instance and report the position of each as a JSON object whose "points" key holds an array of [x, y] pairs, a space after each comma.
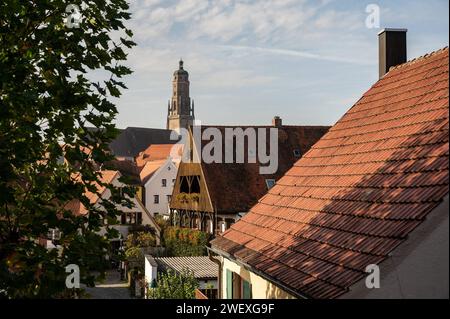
{"points": [[277, 122], [391, 49]]}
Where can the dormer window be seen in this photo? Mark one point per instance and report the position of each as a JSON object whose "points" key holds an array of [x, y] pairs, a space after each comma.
{"points": [[270, 183]]}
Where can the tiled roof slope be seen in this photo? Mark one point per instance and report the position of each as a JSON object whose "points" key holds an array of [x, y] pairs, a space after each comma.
{"points": [[149, 169], [106, 177], [359, 191], [236, 187], [157, 152]]}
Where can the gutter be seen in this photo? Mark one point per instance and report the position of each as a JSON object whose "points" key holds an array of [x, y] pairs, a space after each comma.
{"points": [[258, 272], [219, 277]]}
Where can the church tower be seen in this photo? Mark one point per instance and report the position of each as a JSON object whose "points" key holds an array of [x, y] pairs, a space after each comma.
{"points": [[180, 110]]}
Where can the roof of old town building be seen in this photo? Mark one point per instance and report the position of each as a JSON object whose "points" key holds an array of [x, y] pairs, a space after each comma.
{"points": [[235, 187], [359, 192]]}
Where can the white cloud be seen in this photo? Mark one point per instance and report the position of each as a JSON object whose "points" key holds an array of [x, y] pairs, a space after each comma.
{"points": [[300, 54], [269, 49]]}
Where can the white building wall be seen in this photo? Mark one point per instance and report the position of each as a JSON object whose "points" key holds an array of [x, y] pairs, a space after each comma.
{"points": [[137, 207], [154, 187]]}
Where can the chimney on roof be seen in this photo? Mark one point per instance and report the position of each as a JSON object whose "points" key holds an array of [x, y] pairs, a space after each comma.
{"points": [[391, 49], [277, 121]]}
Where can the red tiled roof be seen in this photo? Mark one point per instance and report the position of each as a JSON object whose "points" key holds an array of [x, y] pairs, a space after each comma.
{"points": [[360, 190], [76, 207], [157, 152], [226, 181], [149, 169]]}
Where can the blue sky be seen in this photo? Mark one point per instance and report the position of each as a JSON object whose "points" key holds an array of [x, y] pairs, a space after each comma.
{"points": [[306, 61]]}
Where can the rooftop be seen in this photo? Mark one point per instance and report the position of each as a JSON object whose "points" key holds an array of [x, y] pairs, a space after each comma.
{"points": [[359, 191], [202, 266]]}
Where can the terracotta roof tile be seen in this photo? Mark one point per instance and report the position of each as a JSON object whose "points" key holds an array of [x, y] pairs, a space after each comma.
{"points": [[359, 191], [159, 152], [76, 207], [149, 169]]}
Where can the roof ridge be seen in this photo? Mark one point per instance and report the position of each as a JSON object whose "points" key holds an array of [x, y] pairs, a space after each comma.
{"points": [[419, 58]]}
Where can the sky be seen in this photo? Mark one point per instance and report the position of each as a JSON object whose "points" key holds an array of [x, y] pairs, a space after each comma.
{"points": [[249, 60]]}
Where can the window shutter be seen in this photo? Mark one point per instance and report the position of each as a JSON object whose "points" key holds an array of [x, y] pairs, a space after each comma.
{"points": [[229, 284], [246, 290]]}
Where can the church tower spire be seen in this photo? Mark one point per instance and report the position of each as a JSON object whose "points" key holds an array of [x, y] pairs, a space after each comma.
{"points": [[180, 112]]}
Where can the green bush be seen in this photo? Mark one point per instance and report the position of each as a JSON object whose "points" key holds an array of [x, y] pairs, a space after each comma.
{"points": [[172, 285], [140, 239], [185, 241]]}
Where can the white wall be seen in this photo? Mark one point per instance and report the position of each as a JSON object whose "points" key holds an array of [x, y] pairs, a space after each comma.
{"points": [[137, 207], [154, 186], [150, 271]]}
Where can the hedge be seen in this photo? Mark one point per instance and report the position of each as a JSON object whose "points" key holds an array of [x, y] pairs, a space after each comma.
{"points": [[185, 242]]}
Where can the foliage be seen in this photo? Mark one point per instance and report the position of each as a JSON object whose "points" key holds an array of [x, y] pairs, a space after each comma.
{"points": [[185, 241], [140, 239], [134, 245], [162, 222], [48, 101], [186, 198], [173, 285], [134, 254], [183, 197]]}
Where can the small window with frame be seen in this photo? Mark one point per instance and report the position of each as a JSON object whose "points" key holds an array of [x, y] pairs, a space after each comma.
{"points": [[270, 183]]}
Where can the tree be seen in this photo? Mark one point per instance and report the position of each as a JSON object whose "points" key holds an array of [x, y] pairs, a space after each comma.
{"points": [[49, 101], [174, 285]]}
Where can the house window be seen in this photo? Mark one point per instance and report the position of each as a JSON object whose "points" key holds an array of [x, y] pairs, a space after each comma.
{"points": [[164, 182], [297, 152], [156, 199], [173, 181], [237, 287], [169, 198], [270, 183], [131, 218]]}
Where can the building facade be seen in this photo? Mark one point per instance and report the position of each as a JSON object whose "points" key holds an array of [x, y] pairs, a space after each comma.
{"points": [[159, 187], [212, 196]]}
